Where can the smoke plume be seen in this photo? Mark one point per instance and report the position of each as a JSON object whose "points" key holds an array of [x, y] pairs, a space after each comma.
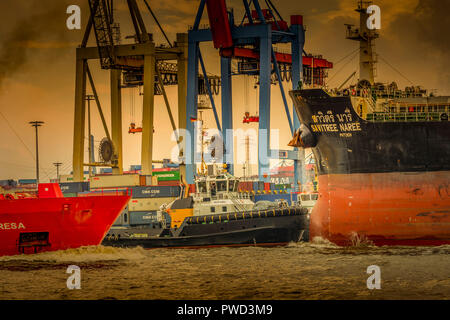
{"points": [[42, 26]]}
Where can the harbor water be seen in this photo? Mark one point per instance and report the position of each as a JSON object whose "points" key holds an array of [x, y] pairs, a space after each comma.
{"points": [[316, 270]]}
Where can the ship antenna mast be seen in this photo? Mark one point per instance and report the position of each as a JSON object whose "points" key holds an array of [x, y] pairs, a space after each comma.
{"points": [[366, 38]]}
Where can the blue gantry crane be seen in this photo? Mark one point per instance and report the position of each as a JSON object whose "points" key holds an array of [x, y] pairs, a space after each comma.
{"points": [[250, 42]]}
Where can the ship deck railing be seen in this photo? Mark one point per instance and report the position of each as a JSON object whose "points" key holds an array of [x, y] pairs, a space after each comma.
{"points": [[404, 116]]}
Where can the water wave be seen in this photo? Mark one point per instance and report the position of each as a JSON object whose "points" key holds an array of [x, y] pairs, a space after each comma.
{"points": [[82, 254]]}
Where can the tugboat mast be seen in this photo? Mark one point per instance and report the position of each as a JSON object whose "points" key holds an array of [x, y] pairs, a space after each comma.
{"points": [[366, 38]]}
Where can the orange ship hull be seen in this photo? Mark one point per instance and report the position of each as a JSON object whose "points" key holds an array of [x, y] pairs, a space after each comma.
{"points": [[397, 208]]}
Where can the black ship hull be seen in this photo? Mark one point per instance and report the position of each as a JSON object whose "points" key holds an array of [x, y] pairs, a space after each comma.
{"points": [[265, 228], [344, 143]]}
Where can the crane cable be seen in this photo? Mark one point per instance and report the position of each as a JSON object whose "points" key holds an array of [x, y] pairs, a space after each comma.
{"points": [[132, 110], [344, 65], [157, 22], [385, 61], [343, 58]]}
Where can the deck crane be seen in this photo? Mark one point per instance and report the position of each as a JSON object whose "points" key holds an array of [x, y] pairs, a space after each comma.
{"points": [[250, 42]]}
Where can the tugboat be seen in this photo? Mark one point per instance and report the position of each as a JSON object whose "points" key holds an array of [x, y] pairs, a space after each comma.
{"points": [[216, 214], [382, 156], [49, 221]]}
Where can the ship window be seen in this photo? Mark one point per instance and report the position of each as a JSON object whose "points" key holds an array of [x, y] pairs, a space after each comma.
{"points": [[314, 196], [402, 109], [430, 108], [202, 187], [221, 186], [125, 218], [213, 209], [441, 108], [305, 197], [224, 209]]}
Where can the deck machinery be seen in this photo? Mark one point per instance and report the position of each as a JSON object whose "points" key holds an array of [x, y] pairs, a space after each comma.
{"points": [[251, 44]]}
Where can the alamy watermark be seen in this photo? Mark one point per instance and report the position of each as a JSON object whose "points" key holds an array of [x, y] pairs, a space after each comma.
{"points": [[74, 280], [73, 22], [374, 20], [237, 146], [374, 281]]}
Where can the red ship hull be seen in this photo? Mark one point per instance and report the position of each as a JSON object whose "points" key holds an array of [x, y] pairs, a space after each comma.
{"points": [[48, 224], [384, 208]]}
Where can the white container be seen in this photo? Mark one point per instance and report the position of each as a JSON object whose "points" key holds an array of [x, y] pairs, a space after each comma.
{"points": [[148, 204], [112, 181]]}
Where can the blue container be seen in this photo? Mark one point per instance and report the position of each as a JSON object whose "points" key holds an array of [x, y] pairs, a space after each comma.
{"points": [[156, 192], [140, 218], [27, 181], [273, 197], [255, 185], [106, 170], [123, 219], [261, 185]]}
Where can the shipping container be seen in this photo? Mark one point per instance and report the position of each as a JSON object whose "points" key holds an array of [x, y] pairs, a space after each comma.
{"points": [[27, 181], [105, 192], [261, 185], [245, 186], [155, 192], [273, 197], [168, 183], [266, 186], [135, 167], [148, 204], [167, 175], [161, 169], [70, 195], [69, 178], [143, 217], [74, 187], [123, 218], [111, 181]]}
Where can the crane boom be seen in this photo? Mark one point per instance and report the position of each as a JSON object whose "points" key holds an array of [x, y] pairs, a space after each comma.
{"points": [[219, 23], [103, 32]]}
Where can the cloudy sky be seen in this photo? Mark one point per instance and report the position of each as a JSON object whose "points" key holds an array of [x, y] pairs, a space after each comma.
{"points": [[37, 68]]}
